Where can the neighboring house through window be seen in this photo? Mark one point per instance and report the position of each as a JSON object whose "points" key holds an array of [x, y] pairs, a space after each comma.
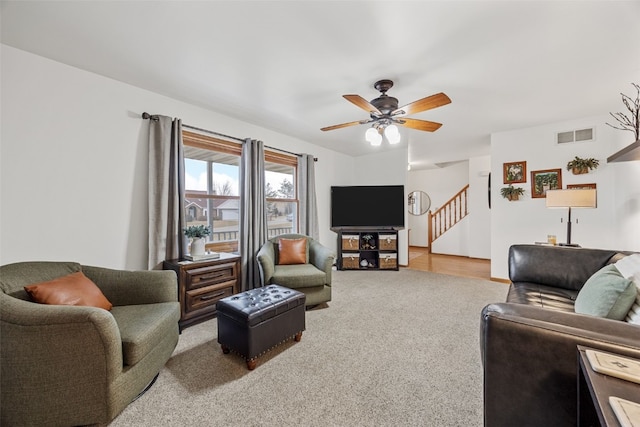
{"points": [[212, 194]]}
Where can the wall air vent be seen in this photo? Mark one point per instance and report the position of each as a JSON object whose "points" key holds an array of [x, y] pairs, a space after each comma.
{"points": [[584, 134], [564, 137], [578, 135]]}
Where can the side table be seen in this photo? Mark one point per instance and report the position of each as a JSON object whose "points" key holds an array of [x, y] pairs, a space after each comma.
{"points": [[201, 284], [594, 390]]}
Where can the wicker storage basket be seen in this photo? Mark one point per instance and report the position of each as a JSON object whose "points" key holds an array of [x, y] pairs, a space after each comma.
{"points": [[388, 261], [350, 242], [350, 261], [387, 242]]}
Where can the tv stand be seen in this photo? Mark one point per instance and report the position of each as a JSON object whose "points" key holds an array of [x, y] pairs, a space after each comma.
{"points": [[362, 248]]}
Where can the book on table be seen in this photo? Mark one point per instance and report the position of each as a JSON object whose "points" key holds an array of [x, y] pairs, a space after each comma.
{"points": [[205, 256]]}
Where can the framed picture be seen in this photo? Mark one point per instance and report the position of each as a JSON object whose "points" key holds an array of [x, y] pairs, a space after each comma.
{"points": [[580, 186], [543, 180], [514, 172]]}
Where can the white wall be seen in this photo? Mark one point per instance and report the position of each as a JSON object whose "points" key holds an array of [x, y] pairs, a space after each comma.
{"points": [[386, 168], [74, 163], [615, 224], [479, 212]]}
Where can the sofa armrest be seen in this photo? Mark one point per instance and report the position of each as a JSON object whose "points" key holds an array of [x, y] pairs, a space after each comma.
{"points": [[123, 287], [529, 357], [266, 262], [321, 257], [53, 348]]}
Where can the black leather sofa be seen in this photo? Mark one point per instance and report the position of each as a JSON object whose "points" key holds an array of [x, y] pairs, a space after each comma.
{"points": [[528, 344]]}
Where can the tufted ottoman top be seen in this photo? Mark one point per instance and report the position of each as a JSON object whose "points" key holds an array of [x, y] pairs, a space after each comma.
{"points": [[257, 305]]}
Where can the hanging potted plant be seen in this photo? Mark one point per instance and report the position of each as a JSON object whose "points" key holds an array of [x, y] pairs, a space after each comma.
{"points": [[197, 233], [511, 193], [579, 166]]}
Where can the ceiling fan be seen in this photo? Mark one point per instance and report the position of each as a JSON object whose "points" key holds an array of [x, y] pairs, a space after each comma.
{"points": [[384, 113]]}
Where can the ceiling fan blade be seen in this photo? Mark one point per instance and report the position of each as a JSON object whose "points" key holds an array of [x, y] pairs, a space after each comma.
{"points": [[424, 104], [362, 103], [419, 124], [343, 125]]}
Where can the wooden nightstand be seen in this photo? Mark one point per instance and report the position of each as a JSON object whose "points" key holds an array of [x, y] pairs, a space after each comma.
{"points": [[201, 284]]}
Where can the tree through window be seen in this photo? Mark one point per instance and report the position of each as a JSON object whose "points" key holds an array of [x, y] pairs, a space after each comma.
{"points": [[212, 195]]}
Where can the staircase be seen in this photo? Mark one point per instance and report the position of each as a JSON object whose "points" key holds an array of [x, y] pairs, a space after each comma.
{"points": [[448, 215]]}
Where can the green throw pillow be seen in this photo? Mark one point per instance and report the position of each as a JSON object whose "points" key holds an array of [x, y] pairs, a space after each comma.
{"points": [[606, 294]]}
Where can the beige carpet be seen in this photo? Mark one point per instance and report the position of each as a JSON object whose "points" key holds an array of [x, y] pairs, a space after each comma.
{"points": [[391, 349]]}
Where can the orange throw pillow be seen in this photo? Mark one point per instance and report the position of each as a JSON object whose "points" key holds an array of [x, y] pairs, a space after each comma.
{"points": [[292, 251], [74, 289]]}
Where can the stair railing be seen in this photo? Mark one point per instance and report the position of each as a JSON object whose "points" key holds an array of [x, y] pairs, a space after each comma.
{"points": [[448, 215]]}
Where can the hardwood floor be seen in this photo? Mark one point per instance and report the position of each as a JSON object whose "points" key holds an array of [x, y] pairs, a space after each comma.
{"points": [[421, 259]]}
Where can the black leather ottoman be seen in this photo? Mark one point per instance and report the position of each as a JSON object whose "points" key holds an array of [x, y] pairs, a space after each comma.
{"points": [[253, 322]]}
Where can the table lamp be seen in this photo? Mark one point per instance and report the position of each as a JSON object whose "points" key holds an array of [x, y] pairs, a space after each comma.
{"points": [[572, 198]]}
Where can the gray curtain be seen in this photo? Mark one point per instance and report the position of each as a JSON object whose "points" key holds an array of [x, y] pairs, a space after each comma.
{"points": [[253, 213], [166, 190], [307, 196]]}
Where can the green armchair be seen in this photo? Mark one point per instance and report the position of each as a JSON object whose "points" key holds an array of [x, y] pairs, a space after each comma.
{"points": [[312, 278], [78, 365]]}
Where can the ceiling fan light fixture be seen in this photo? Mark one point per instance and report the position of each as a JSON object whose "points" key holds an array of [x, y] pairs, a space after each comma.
{"points": [[373, 137], [385, 114], [394, 140], [392, 134]]}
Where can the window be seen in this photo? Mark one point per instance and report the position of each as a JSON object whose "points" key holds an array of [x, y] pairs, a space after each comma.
{"points": [[281, 193], [212, 195]]}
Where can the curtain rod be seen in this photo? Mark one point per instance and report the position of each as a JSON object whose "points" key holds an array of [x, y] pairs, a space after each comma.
{"points": [[148, 116]]}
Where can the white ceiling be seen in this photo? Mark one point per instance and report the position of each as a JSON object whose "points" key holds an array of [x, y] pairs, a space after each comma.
{"points": [[285, 65]]}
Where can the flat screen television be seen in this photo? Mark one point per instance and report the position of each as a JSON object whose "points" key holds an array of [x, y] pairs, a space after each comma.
{"points": [[374, 206]]}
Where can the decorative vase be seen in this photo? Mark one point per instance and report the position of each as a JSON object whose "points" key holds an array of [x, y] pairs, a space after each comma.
{"points": [[197, 246]]}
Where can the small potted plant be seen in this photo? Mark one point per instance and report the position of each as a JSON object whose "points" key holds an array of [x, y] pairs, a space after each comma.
{"points": [[511, 193], [579, 166], [197, 233]]}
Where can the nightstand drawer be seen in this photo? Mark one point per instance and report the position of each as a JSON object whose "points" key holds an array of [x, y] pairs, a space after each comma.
{"points": [[210, 275], [201, 284], [208, 296]]}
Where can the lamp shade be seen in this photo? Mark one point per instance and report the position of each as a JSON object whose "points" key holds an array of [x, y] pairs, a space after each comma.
{"points": [[572, 198]]}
